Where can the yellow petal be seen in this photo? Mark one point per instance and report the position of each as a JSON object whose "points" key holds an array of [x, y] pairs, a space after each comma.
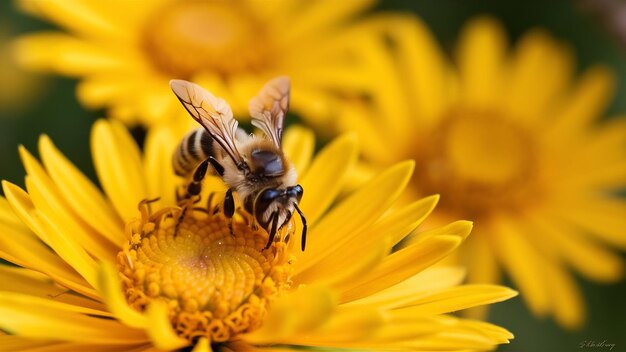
{"points": [[96, 91], [331, 74], [21, 247], [523, 264], [39, 318], [50, 203], [297, 313], [327, 272], [455, 299], [202, 345], [461, 228], [423, 65], [85, 198], [457, 338], [400, 222], [355, 213], [320, 15], [346, 328], [56, 346], [317, 106], [118, 165], [401, 265], [589, 99], [8, 217], [64, 54], [568, 304], [360, 119], [324, 177], [111, 289], [605, 218], [481, 50], [583, 254], [385, 94], [407, 333], [298, 145], [161, 180], [25, 281], [492, 331], [537, 55], [19, 344], [160, 330], [74, 15], [65, 246], [482, 267], [242, 346], [428, 281], [374, 241]]}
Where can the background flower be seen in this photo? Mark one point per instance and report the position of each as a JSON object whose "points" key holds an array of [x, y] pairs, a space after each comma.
{"points": [[125, 59], [510, 139], [194, 283]]}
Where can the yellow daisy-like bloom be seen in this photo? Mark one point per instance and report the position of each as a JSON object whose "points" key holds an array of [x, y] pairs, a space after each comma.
{"points": [[511, 141], [201, 287], [125, 53], [21, 87]]}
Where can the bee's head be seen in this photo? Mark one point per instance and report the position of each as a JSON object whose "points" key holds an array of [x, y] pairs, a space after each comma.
{"points": [[273, 208], [278, 196], [276, 200]]}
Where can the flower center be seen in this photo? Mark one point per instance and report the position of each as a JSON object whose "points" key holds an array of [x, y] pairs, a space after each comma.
{"points": [[478, 161], [216, 285], [187, 37]]}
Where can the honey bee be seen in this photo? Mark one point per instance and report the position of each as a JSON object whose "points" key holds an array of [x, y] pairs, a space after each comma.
{"points": [[254, 167]]}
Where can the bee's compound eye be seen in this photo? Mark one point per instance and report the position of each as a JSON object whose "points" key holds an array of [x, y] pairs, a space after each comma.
{"points": [[296, 192], [270, 194]]}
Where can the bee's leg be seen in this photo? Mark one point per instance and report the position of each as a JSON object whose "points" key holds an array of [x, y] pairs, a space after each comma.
{"points": [[287, 218], [273, 229], [209, 202], [193, 189], [216, 165], [195, 186], [229, 209], [304, 226], [250, 206]]}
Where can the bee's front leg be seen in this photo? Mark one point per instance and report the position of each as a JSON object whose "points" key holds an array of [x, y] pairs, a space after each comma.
{"points": [[273, 229], [229, 209]]}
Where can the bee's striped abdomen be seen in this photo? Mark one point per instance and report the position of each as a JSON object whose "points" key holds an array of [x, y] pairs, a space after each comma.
{"points": [[195, 147]]}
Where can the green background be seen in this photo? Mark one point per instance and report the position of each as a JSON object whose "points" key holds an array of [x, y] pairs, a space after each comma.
{"points": [[56, 112]]}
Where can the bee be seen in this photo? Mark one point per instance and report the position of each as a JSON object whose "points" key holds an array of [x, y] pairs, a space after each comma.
{"points": [[254, 167]]}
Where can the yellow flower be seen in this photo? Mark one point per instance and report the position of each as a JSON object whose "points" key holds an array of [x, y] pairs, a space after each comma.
{"points": [[200, 286], [512, 142], [124, 53], [21, 88]]}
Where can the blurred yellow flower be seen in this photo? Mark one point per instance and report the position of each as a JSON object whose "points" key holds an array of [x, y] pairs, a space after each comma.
{"points": [[207, 289], [124, 53], [512, 142], [19, 88]]}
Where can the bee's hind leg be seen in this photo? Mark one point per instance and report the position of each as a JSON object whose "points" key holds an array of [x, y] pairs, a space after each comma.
{"points": [[194, 188]]}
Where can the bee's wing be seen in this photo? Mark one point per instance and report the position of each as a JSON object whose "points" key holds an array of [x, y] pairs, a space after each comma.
{"points": [[211, 112], [269, 107]]}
